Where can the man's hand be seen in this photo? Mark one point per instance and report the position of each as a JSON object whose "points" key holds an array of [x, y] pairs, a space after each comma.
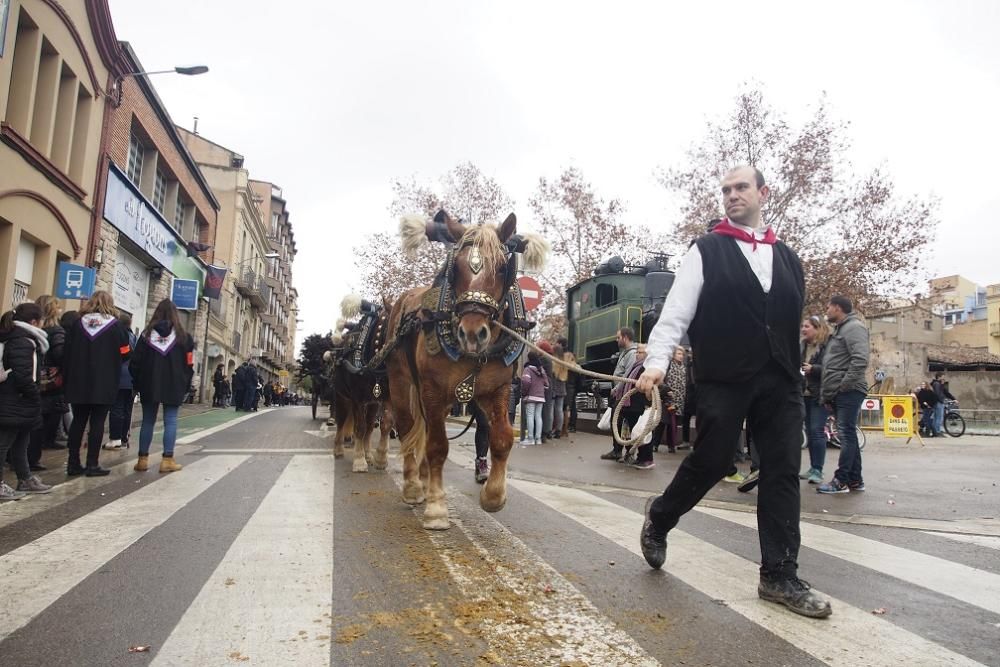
{"points": [[806, 368], [650, 378]]}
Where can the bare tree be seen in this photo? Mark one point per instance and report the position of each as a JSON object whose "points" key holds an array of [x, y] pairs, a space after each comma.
{"points": [[855, 236], [463, 191]]}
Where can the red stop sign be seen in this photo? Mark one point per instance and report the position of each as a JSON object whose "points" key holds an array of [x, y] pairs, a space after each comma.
{"points": [[531, 291]]}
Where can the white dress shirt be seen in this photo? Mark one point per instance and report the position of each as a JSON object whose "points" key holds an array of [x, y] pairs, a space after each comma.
{"points": [[682, 300]]}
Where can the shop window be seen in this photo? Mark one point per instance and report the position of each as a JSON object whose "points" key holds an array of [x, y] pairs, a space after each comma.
{"points": [[134, 170], [159, 191]]}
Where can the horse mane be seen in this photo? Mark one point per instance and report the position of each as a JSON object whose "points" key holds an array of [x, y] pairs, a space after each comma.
{"points": [[485, 239]]}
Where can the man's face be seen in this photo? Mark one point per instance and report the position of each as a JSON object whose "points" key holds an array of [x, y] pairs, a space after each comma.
{"points": [[622, 344], [741, 197], [833, 313]]}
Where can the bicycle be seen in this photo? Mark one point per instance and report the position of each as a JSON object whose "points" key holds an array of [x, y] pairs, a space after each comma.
{"points": [[832, 436], [954, 423]]}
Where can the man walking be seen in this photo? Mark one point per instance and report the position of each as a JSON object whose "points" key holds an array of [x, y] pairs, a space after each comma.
{"points": [[739, 295], [843, 388], [626, 357], [941, 391]]}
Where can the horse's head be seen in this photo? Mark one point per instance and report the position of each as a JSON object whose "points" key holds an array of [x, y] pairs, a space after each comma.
{"points": [[483, 269]]}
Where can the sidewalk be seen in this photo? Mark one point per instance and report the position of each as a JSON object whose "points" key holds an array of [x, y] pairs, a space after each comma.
{"points": [[192, 418]]}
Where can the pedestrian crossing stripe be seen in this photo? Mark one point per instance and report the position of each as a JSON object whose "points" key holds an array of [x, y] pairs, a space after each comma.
{"points": [[850, 637]]}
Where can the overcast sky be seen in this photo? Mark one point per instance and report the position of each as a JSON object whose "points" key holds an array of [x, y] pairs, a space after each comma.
{"points": [[332, 101]]}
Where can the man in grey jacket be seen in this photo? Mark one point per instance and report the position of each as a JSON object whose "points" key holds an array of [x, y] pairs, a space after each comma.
{"points": [[843, 389], [628, 347]]}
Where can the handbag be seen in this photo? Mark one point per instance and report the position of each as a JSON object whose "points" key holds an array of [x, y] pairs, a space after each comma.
{"points": [[605, 423]]}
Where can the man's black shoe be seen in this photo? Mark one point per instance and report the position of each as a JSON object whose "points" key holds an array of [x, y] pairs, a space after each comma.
{"points": [[612, 456], [74, 469], [96, 471], [796, 595], [654, 547]]}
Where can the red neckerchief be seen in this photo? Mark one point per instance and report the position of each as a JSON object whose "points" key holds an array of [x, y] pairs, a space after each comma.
{"points": [[726, 228]]}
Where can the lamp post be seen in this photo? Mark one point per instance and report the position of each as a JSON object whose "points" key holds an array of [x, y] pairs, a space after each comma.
{"points": [[193, 70]]}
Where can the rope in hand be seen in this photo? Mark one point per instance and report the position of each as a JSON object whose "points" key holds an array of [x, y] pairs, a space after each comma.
{"points": [[655, 404]]}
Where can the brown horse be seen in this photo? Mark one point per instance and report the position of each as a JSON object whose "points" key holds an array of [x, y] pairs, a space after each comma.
{"points": [[423, 379]]}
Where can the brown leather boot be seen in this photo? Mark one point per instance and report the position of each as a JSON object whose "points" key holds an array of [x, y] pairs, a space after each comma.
{"points": [[167, 464], [142, 465]]}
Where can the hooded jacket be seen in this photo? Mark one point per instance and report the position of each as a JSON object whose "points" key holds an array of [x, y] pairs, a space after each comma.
{"points": [[534, 382], [96, 345], [23, 354], [162, 365]]}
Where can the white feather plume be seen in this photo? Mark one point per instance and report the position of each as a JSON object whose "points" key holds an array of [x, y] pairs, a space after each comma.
{"points": [[412, 233], [328, 355], [337, 340], [341, 323], [536, 253], [350, 306]]}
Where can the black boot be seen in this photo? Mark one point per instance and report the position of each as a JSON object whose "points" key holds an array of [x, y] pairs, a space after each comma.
{"points": [[653, 545], [796, 595]]}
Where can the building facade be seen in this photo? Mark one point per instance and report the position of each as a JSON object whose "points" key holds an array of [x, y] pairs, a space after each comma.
{"points": [[240, 320], [57, 66]]}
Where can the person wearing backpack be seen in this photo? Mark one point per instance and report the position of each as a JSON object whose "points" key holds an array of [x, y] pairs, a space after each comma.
{"points": [[162, 367], [120, 421], [23, 349], [96, 345]]}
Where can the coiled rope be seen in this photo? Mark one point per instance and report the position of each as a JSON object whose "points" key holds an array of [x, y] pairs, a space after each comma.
{"points": [[655, 406]]}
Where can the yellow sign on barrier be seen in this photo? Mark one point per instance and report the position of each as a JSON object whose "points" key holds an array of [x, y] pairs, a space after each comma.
{"points": [[898, 419]]}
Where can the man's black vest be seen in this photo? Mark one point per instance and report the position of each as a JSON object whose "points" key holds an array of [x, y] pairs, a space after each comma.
{"points": [[737, 328]]}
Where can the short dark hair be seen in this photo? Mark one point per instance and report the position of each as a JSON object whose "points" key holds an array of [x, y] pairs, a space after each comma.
{"points": [[843, 303], [938, 375], [758, 177], [627, 332]]}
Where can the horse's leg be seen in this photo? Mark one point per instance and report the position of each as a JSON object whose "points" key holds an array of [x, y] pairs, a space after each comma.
{"points": [[411, 434], [371, 419], [360, 419], [493, 495], [436, 512], [382, 451]]}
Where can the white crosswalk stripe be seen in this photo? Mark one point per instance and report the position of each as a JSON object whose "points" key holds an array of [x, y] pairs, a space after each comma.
{"points": [[850, 637], [275, 580], [39, 573]]}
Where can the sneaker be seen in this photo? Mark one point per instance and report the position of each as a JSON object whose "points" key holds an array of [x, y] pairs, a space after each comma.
{"points": [[611, 456], [7, 493], [795, 594], [815, 476], [114, 444], [833, 486], [482, 470], [644, 465], [735, 478], [806, 474], [749, 482], [33, 485], [654, 546], [527, 443], [856, 486]]}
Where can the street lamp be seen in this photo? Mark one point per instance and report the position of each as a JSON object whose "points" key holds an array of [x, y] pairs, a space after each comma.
{"points": [[193, 70]]}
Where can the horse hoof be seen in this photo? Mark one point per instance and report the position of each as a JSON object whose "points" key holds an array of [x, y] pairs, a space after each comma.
{"points": [[360, 465], [380, 465], [439, 523], [492, 507], [417, 500], [338, 455]]}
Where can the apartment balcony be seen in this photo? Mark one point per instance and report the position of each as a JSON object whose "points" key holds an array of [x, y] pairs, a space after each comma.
{"points": [[269, 319], [995, 329], [254, 288], [272, 281], [274, 243]]}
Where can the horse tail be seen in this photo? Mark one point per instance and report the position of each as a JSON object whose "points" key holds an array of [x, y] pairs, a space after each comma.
{"points": [[414, 441]]}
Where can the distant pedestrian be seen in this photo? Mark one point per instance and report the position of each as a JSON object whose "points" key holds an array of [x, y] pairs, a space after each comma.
{"points": [[560, 374], [162, 368], [96, 345], [814, 332], [632, 408], [572, 387], [120, 420], [533, 385], [24, 346], [844, 387], [690, 401], [218, 378], [626, 357], [940, 388], [50, 383], [546, 346]]}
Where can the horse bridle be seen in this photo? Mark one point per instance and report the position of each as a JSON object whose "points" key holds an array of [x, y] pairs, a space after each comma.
{"points": [[476, 301]]}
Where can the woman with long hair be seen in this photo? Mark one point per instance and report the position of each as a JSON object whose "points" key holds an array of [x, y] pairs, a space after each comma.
{"points": [[162, 367], [24, 347], [50, 383], [559, 376], [96, 345], [814, 332], [534, 384]]}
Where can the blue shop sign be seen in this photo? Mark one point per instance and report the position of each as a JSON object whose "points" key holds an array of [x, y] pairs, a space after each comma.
{"points": [[126, 209], [184, 294], [74, 282]]}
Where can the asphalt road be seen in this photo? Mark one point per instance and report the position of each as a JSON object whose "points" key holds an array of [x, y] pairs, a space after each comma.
{"points": [[265, 550]]}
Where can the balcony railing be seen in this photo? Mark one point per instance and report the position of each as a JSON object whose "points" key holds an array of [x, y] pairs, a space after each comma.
{"points": [[252, 286], [995, 329]]}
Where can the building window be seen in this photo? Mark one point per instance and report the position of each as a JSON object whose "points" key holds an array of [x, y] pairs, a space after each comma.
{"points": [[159, 191], [179, 212], [134, 170], [928, 325], [606, 295]]}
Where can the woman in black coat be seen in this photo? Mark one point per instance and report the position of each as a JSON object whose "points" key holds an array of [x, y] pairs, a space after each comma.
{"points": [[51, 382], [96, 345], [162, 367], [24, 348]]}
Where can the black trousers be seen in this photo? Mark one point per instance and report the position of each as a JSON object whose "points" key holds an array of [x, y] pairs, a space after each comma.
{"points": [[772, 403], [482, 430], [90, 416]]}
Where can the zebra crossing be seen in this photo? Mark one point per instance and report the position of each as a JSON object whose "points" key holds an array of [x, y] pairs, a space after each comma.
{"points": [[243, 557]]}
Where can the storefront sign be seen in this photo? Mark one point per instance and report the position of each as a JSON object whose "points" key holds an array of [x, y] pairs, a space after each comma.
{"points": [[898, 419], [131, 285], [128, 211], [184, 294]]}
